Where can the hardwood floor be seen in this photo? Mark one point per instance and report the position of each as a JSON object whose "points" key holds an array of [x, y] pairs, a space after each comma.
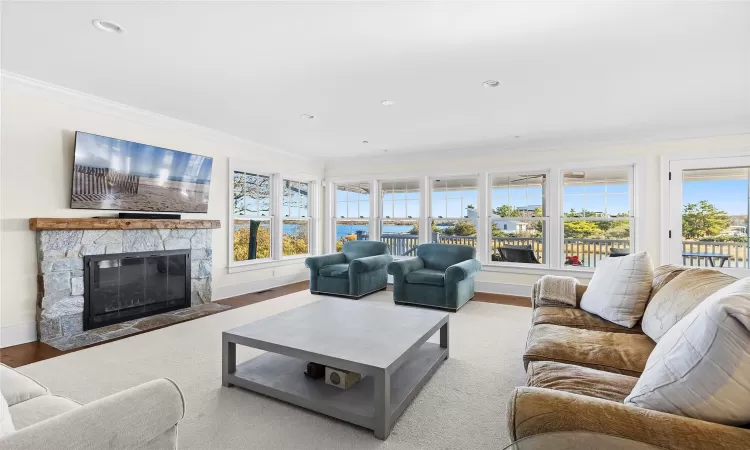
{"points": [[20, 355]]}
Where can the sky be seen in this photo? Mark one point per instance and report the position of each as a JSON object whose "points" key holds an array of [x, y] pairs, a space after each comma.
{"points": [[727, 195], [140, 159]]}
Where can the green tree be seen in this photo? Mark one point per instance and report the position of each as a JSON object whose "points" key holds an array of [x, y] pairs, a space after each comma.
{"points": [[703, 219], [583, 229], [462, 228], [506, 211]]}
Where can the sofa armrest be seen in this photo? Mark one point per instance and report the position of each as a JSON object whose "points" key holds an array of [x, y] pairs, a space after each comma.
{"points": [[463, 270], [145, 416], [369, 263], [400, 268], [536, 410], [315, 263]]}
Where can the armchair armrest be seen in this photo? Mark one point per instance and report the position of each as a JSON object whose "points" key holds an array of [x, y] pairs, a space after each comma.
{"points": [[145, 416], [369, 263], [315, 263], [400, 268], [463, 270], [535, 410]]}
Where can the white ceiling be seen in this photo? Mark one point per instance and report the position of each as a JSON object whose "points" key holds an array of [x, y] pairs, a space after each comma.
{"points": [[569, 71]]}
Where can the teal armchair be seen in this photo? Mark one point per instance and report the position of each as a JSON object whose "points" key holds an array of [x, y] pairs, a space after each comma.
{"points": [[441, 276], [355, 272]]}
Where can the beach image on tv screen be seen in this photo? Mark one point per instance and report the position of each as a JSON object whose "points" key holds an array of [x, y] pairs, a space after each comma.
{"points": [[121, 175]]}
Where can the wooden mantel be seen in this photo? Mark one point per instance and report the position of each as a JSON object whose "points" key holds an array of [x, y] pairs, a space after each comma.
{"points": [[38, 224]]}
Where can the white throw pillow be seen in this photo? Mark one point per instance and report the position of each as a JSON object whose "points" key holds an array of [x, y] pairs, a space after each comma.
{"points": [[6, 422], [620, 289], [701, 367]]}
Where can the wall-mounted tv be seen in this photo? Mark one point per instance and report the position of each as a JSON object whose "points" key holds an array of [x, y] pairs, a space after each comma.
{"points": [[110, 173]]}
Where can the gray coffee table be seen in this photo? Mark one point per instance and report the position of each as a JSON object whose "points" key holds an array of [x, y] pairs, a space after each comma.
{"points": [[385, 343]]}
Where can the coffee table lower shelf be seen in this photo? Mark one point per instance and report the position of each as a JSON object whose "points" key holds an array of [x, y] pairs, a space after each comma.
{"points": [[282, 377]]}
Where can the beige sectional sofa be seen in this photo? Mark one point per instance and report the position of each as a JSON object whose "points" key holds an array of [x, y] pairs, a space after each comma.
{"points": [[581, 367], [144, 417]]}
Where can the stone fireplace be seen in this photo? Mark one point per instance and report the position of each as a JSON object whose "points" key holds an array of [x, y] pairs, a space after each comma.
{"points": [[61, 253]]}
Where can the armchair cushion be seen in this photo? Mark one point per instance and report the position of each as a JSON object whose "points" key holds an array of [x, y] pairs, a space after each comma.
{"points": [[335, 270], [426, 276], [40, 408], [370, 263], [462, 271]]}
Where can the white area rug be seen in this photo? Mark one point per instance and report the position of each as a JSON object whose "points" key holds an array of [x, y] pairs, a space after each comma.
{"points": [[461, 407]]}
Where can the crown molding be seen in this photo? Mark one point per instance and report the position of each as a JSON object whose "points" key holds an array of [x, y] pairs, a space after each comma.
{"points": [[122, 111]]}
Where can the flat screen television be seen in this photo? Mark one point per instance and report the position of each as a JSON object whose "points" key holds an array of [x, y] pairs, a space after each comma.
{"points": [[110, 173]]}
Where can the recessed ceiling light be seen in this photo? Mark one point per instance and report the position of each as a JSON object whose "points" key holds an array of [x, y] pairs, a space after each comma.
{"points": [[491, 83], [385, 150], [387, 102], [108, 26], [306, 116], [516, 137], [365, 142]]}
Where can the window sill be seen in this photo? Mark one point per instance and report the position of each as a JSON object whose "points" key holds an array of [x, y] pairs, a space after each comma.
{"points": [[249, 266], [539, 270]]}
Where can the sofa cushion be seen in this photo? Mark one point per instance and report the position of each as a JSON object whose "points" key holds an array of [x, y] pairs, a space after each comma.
{"points": [[335, 270], [6, 421], [624, 353], [17, 387], [701, 366], [620, 288], [426, 276], [579, 380], [577, 318], [40, 408], [676, 299], [663, 275]]}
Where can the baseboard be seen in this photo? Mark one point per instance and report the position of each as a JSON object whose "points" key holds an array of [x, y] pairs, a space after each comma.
{"points": [[17, 334], [518, 290], [258, 285]]}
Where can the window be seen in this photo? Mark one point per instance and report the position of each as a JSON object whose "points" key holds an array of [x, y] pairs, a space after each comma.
{"points": [[252, 221], [296, 223], [454, 217], [518, 219], [399, 216], [597, 215], [708, 208], [352, 213]]}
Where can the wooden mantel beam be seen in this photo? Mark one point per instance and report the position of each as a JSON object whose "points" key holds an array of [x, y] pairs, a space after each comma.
{"points": [[38, 224]]}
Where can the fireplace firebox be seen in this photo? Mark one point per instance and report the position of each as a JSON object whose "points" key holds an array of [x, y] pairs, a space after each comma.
{"points": [[125, 286]]}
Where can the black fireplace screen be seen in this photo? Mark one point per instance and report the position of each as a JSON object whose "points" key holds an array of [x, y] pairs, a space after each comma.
{"points": [[126, 286]]}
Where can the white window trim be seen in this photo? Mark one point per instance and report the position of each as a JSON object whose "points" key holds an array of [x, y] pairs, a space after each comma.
{"points": [[276, 219], [546, 220], [330, 246], [671, 225], [381, 216]]}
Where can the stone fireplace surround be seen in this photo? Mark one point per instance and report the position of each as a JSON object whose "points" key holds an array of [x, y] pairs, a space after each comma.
{"points": [[60, 252]]}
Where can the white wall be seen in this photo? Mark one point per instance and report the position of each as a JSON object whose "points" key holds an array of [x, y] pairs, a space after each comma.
{"points": [[37, 139], [646, 155]]}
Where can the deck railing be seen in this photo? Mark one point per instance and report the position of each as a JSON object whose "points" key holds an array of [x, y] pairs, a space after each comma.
{"points": [[588, 251]]}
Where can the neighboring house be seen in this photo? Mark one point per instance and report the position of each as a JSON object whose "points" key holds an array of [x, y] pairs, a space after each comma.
{"points": [[737, 230], [505, 224]]}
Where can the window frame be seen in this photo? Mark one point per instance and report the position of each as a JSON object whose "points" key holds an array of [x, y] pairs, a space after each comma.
{"points": [[545, 219], [633, 211], [429, 191], [420, 209], [671, 189], [275, 218], [310, 215], [331, 206]]}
